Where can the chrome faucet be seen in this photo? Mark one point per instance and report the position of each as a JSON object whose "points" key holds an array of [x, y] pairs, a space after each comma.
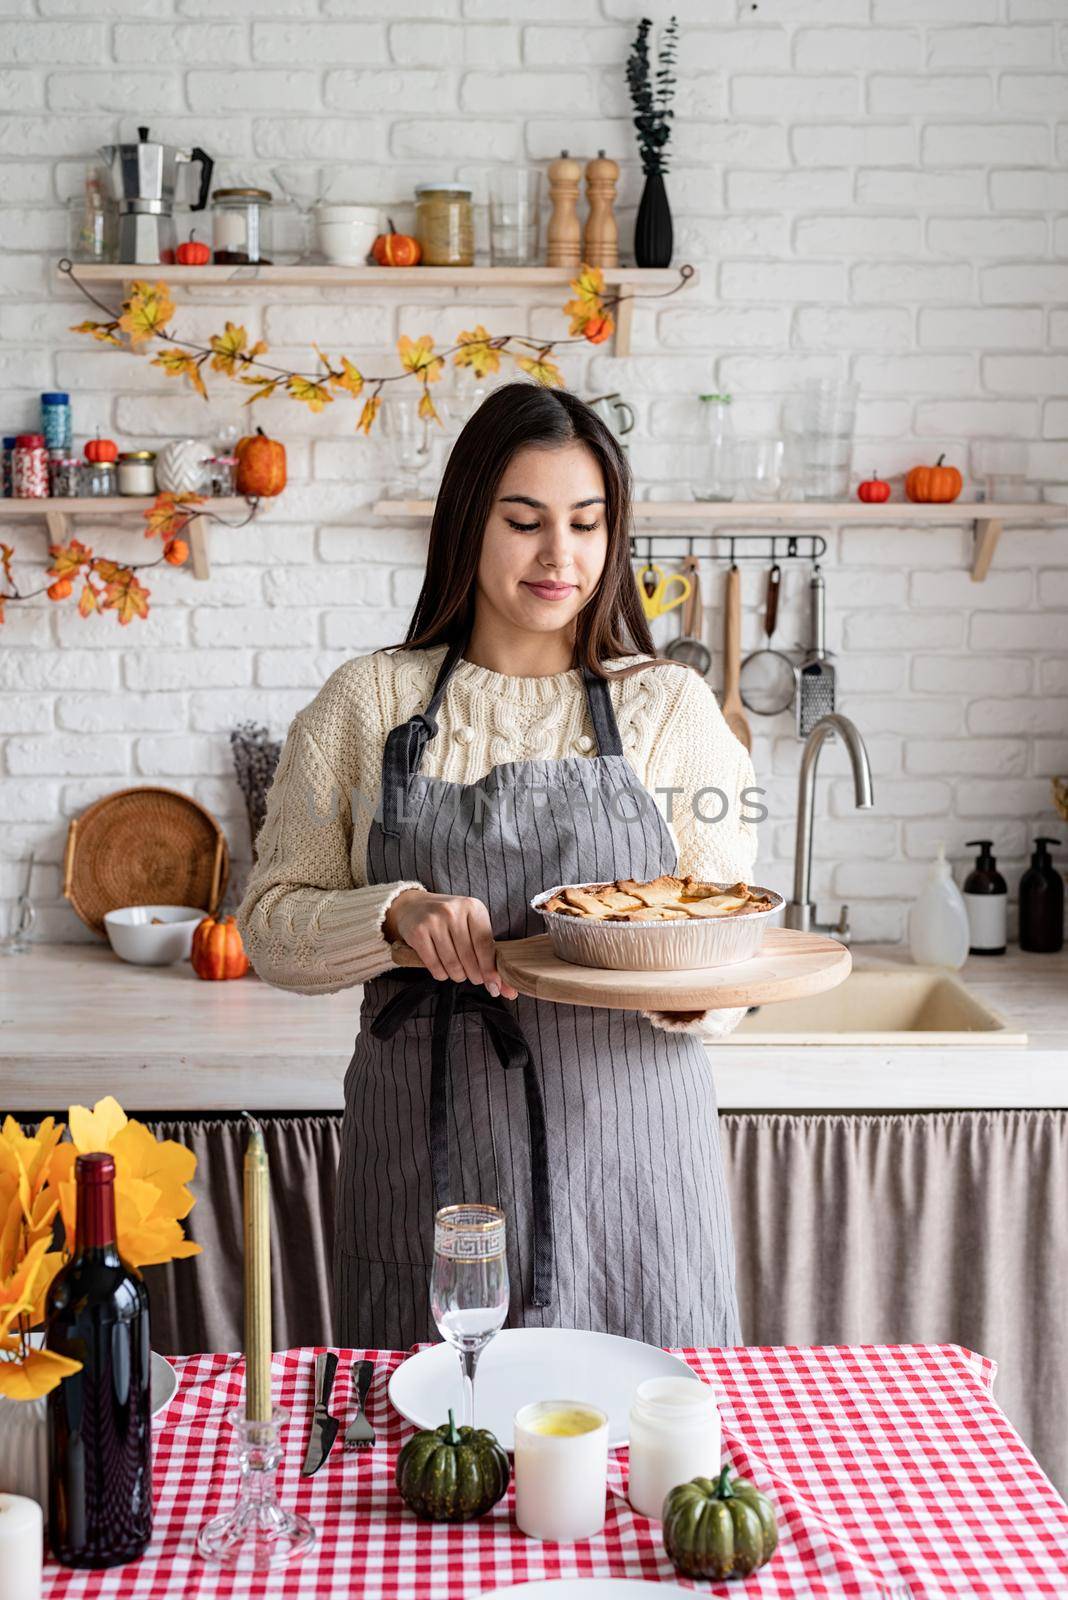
{"points": [[800, 912]]}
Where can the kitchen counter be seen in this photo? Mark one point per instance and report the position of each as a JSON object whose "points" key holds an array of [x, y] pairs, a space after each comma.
{"points": [[76, 1022]]}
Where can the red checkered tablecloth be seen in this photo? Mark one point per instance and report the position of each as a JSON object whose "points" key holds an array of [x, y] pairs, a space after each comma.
{"points": [[888, 1464]]}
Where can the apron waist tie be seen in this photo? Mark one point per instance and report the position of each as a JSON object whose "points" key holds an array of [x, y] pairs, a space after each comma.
{"points": [[512, 1051]]}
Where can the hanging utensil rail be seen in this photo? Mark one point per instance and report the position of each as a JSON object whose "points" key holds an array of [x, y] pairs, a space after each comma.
{"points": [[732, 547]]}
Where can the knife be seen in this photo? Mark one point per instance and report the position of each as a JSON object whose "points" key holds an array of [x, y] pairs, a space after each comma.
{"points": [[324, 1427]]}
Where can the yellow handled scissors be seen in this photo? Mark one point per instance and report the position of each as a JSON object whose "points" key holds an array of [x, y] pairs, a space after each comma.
{"points": [[661, 591]]}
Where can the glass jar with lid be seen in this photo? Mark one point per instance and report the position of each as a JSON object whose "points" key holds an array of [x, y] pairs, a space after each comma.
{"points": [[716, 471], [241, 226], [137, 472], [99, 479], [674, 1436], [445, 224], [64, 477]]}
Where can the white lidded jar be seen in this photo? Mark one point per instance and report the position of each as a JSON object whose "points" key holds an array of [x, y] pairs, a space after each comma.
{"points": [[674, 1436], [938, 921]]}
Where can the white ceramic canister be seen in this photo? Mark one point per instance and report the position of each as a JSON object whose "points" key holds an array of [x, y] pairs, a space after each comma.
{"points": [[674, 1436], [180, 466]]}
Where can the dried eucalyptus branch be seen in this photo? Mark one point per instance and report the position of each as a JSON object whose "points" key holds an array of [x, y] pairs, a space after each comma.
{"points": [[652, 98]]}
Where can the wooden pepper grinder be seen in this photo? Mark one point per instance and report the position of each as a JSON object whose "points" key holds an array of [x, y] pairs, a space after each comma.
{"points": [[602, 231], [565, 230]]}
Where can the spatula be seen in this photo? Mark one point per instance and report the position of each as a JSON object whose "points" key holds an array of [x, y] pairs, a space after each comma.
{"points": [[731, 705]]}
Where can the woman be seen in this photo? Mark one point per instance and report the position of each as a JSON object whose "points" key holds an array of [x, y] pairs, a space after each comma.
{"points": [[426, 794]]}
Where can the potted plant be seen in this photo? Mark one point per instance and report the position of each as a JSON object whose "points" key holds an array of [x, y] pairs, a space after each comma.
{"points": [[653, 235], [38, 1199]]}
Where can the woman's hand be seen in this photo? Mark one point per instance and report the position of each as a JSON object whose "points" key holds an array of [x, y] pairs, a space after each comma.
{"points": [[452, 935]]}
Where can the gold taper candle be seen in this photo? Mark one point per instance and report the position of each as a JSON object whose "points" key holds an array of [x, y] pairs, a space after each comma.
{"points": [[257, 1279]]}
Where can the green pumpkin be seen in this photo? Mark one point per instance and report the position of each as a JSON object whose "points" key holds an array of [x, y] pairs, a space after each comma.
{"points": [[718, 1529], [452, 1474]]}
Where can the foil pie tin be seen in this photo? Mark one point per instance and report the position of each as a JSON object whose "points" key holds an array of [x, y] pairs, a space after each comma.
{"points": [[678, 946]]}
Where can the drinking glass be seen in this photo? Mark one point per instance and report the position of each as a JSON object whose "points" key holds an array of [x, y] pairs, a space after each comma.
{"points": [[410, 441], [760, 466], [515, 215], [1001, 467], [830, 413], [469, 1286]]}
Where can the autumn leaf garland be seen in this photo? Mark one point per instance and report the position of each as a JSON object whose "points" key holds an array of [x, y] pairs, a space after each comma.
{"points": [[143, 319], [145, 313]]}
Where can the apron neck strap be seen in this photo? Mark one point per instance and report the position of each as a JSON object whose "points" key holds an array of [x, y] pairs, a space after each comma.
{"points": [[602, 714]]}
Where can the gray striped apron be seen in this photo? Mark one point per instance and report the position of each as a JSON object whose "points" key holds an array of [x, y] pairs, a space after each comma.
{"points": [[594, 1131]]}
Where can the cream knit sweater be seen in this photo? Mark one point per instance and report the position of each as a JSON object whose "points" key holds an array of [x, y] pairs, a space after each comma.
{"points": [[309, 919]]}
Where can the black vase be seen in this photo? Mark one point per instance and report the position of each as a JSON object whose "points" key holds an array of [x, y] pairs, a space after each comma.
{"points": [[653, 234]]}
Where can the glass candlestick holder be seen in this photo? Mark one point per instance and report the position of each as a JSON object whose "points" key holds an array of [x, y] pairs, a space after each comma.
{"points": [[257, 1534]]}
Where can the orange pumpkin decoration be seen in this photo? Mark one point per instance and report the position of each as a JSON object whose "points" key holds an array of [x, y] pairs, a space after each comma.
{"points": [[598, 328], [217, 951], [926, 485], [99, 449], [60, 589], [261, 466], [176, 551], [396, 249]]}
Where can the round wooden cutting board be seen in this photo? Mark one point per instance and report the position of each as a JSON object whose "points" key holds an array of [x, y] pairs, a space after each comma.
{"points": [[789, 965]]}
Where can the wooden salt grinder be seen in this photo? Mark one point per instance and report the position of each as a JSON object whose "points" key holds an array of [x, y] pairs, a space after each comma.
{"points": [[602, 231], [565, 230]]}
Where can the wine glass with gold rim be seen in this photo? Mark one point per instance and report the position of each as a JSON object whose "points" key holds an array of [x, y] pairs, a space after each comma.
{"points": [[469, 1286]]}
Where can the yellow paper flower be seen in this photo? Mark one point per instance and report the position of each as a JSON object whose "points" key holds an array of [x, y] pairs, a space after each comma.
{"points": [[37, 1182]]}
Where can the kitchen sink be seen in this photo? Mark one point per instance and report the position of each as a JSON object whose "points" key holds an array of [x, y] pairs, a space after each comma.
{"points": [[882, 1005]]}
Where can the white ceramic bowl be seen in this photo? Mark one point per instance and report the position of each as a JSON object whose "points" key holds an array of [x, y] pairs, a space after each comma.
{"points": [[346, 240], [679, 946], [343, 211], [132, 936]]}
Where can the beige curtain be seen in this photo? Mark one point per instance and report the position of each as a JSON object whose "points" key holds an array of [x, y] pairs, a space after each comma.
{"points": [[926, 1227]]}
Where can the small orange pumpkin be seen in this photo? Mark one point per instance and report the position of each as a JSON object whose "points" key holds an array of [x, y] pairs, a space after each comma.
{"points": [[217, 950], [926, 485], [394, 249], [261, 465], [99, 449], [176, 551]]}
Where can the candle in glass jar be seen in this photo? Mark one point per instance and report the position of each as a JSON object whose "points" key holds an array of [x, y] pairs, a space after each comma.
{"points": [[561, 1469], [21, 1547], [674, 1436], [257, 1198]]}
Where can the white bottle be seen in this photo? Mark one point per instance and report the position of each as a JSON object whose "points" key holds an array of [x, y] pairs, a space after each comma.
{"points": [[938, 921]]}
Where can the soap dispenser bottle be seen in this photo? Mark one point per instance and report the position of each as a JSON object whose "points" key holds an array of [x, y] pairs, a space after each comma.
{"points": [[1042, 902], [938, 922], [986, 897]]}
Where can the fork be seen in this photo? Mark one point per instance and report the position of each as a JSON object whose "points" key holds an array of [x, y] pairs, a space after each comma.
{"points": [[359, 1434]]}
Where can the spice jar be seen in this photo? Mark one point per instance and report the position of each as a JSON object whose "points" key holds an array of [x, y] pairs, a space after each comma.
{"points": [[6, 454], [63, 471], [29, 467], [674, 1436], [444, 223], [56, 423], [137, 472], [99, 478], [222, 475], [241, 226]]}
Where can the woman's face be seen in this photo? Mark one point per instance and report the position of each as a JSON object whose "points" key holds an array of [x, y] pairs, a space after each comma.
{"points": [[544, 547]]}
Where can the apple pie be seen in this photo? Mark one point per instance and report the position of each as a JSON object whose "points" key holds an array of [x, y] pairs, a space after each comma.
{"points": [[663, 899]]}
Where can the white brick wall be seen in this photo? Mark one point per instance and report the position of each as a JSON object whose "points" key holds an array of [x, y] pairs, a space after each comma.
{"points": [[871, 186]]}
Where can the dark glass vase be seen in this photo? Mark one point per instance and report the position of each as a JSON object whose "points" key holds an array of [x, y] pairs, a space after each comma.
{"points": [[654, 237]]}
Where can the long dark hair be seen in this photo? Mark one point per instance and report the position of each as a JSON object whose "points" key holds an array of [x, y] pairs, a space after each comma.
{"points": [[612, 624]]}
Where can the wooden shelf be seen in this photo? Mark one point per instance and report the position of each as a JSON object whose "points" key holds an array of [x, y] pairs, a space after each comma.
{"points": [[987, 516], [57, 514], [311, 276]]}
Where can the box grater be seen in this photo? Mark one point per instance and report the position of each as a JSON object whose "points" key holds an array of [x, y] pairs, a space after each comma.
{"points": [[816, 676]]}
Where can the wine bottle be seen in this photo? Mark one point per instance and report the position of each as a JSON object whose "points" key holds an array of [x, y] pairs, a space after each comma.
{"points": [[99, 1419]]}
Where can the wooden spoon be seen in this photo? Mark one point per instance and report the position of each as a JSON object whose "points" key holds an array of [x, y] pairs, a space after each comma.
{"points": [[733, 710]]}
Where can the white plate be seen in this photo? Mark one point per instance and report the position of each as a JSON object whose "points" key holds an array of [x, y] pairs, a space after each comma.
{"points": [[162, 1382], [587, 1589], [524, 1364]]}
